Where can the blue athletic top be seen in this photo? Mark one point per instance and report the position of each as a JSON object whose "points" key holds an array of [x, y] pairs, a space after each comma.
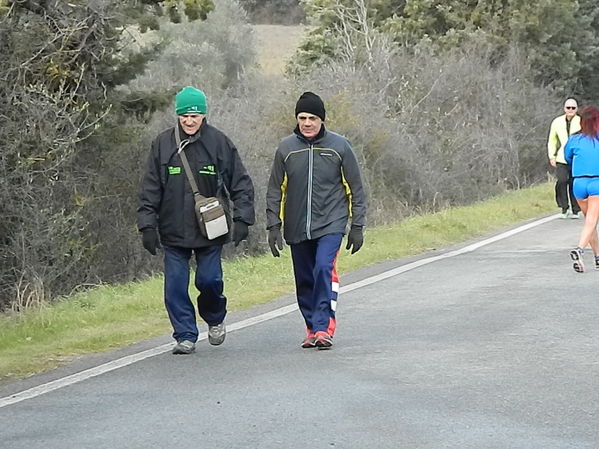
{"points": [[582, 152]]}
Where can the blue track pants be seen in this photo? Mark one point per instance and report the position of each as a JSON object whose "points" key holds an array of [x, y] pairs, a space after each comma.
{"points": [[316, 282]]}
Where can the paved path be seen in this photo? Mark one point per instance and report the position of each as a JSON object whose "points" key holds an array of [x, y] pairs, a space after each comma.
{"points": [[496, 348]]}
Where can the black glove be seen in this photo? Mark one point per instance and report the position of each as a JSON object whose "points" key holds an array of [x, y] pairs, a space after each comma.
{"points": [[275, 240], [240, 232], [355, 239], [150, 240]]}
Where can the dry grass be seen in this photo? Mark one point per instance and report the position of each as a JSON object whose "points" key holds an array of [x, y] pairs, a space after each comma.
{"points": [[276, 45]]}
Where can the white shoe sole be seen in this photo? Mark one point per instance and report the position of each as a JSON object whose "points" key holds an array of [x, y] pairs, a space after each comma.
{"points": [[578, 264]]}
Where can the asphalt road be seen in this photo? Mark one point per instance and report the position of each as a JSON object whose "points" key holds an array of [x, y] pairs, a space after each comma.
{"points": [[496, 348]]}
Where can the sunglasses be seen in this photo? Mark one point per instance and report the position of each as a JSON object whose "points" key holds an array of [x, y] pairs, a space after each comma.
{"points": [[570, 107]]}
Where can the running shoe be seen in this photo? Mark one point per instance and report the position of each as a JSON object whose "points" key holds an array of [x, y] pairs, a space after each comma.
{"points": [[184, 347], [309, 341], [217, 334], [323, 340], [576, 256]]}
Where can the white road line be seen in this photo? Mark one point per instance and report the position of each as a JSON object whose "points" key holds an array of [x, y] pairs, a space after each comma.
{"points": [[130, 359]]}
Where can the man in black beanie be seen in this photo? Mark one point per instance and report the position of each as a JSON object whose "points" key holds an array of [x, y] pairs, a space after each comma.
{"points": [[312, 103], [314, 190]]}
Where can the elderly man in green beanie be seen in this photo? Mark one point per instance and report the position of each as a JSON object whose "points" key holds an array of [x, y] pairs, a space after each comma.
{"points": [[193, 152]]}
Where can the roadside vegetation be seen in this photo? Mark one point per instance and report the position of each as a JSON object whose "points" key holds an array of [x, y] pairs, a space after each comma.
{"points": [[112, 316]]}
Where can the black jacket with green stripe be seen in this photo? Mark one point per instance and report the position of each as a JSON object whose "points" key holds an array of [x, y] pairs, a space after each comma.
{"points": [[166, 200], [315, 187]]}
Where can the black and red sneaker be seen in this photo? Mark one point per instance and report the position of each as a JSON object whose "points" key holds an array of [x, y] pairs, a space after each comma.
{"points": [[309, 341], [323, 340]]}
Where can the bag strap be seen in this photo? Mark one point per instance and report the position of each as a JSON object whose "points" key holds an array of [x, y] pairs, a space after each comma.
{"points": [[180, 147]]}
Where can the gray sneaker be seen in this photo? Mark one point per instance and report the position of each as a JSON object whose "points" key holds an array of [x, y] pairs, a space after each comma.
{"points": [[216, 334], [576, 256], [184, 347]]}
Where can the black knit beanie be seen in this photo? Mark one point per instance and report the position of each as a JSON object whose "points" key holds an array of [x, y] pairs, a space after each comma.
{"points": [[310, 103]]}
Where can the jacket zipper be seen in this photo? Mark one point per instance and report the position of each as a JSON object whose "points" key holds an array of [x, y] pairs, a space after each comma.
{"points": [[309, 202]]}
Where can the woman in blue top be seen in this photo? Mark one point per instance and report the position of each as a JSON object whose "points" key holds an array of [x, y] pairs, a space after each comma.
{"points": [[582, 152]]}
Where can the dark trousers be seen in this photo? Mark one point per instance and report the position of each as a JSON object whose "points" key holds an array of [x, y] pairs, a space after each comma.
{"points": [[208, 280], [564, 192], [316, 281]]}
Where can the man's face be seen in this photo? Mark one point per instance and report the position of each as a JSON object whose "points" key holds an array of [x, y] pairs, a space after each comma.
{"points": [[309, 124], [190, 123], [570, 108]]}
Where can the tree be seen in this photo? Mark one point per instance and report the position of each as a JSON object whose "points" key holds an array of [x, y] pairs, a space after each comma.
{"points": [[61, 63], [558, 36], [286, 12], [588, 15], [342, 30], [214, 52], [543, 29]]}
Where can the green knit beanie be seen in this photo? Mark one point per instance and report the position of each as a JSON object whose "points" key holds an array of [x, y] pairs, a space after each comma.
{"points": [[190, 100]]}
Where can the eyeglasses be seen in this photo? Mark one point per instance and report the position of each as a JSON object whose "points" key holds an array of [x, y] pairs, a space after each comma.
{"points": [[571, 107]]}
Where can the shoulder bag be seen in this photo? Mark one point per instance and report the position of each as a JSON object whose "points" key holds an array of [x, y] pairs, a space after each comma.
{"points": [[209, 210]]}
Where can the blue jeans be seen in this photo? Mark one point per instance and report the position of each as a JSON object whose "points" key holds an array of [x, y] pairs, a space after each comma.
{"points": [[212, 304], [316, 282]]}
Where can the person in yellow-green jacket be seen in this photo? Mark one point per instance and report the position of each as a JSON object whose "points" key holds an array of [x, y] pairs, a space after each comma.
{"points": [[562, 128]]}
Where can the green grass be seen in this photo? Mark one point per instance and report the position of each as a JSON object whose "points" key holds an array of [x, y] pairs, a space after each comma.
{"points": [[109, 317]]}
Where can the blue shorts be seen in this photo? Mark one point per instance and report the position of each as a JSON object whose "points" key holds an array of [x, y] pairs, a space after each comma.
{"points": [[585, 187]]}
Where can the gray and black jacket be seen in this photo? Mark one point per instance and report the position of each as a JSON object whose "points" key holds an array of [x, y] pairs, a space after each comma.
{"points": [[166, 200], [314, 187]]}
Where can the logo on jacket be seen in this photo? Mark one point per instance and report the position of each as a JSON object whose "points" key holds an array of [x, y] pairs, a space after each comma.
{"points": [[174, 170], [208, 170]]}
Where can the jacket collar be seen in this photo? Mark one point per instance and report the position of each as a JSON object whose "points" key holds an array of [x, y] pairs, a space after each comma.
{"points": [[200, 138]]}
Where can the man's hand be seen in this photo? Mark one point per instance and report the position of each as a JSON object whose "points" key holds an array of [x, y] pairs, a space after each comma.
{"points": [[240, 232], [355, 239], [150, 240], [275, 240], [552, 162]]}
